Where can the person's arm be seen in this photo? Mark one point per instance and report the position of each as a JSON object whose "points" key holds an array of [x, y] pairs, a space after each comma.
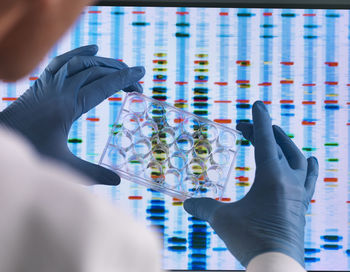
{"points": [[70, 86], [49, 223], [271, 217], [274, 262]]}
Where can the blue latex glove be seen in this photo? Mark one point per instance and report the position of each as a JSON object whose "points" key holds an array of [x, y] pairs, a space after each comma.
{"points": [[271, 217], [70, 86]]}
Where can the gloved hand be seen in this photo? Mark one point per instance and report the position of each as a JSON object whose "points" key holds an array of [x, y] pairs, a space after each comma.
{"points": [[271, 217], [70, 86]]}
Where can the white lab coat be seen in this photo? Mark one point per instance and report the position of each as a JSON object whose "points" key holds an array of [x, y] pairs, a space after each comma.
{"points": [[51, 222]]}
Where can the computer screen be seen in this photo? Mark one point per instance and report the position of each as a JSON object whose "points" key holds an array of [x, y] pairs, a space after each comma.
{"points": [[215, 62]]}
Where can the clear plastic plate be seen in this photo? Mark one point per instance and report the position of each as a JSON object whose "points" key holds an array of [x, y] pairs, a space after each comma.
{"points": [[170, 150]]}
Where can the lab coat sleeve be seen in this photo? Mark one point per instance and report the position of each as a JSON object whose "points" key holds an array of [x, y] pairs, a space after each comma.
{"points": [[274, 262], [51, 222]]}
